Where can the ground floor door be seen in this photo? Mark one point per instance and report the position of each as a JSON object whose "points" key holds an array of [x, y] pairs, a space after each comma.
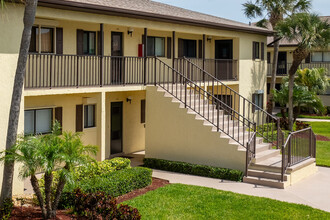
{"points": [[223, 62], [116, 142]]}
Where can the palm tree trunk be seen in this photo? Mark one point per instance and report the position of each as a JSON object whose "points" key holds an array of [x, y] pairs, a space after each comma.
{"points": [[292, 71], [48, 191], [273, 79], [8, 172], [59, 190], [36, 189]]}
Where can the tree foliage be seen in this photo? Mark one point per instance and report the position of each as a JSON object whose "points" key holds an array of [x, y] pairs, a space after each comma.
{"points": [[46, 153]]}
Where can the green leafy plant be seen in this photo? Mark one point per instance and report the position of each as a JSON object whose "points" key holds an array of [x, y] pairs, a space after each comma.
{"points": [[99, 205], [194, 169], [45, 153], [115, 183], [101, 168], [6, 209]]}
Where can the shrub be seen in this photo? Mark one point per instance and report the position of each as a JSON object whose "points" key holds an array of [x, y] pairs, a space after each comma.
{"points": [[6, 209], [101, 168], [100, 205], [128, 212], [301, 125], [115, 183], [194, 169]]}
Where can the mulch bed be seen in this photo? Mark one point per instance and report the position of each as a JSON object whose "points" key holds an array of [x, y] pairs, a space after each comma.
{"points": [[20, 213], [322, 138]]}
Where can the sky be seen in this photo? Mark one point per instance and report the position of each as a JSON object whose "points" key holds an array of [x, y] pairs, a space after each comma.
{"points": [[233, 9]]}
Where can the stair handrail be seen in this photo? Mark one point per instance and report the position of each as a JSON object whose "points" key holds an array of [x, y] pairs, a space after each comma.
{"points": [[186, 79], [287, 155], [256, 107], [250, 153], [223, 84]]}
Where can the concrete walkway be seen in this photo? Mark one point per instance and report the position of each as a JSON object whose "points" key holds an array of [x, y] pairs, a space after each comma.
{"points": [[313, 120], [313, 191]]}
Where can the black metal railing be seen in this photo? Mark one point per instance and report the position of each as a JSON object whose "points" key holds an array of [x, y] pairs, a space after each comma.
{"points": [[299, 146], [283, 69], [267, 125], [216, 112], [222, 69], [250, 150], [50, 70]]}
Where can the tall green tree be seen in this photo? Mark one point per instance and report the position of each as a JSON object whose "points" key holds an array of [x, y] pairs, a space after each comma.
{"points": [[311, 33], [8, 171], [272, 12]]}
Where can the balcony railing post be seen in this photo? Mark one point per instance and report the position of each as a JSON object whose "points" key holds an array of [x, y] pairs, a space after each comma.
{"points": [[50, 71], [185, 92], [155, 71], [77, 73]]}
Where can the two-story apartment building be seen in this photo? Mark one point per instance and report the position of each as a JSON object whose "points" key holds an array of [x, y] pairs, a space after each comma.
{"points": [[103, 67]]}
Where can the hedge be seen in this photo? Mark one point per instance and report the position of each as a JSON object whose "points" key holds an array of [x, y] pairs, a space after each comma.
{"points": [[101, 168], [194, 169], [116, 183]]}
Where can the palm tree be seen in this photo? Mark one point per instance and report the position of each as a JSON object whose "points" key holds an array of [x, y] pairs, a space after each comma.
{"points": [[273, 11], [47, 153], [302, 96], [8, 171], [310, 33], [315, 79]]}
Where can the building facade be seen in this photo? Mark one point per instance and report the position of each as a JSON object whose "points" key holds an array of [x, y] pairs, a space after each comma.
{"points": [[93, 66]]}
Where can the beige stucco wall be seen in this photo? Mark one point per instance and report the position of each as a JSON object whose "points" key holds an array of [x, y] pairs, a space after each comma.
{"points": [[133, 129], [68, 102], [11, 27], [172, 134]]}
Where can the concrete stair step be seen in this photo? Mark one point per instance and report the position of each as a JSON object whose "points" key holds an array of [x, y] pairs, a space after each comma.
{"points": [[265, 182], [266, 174], [264, 155], [262, 147]]}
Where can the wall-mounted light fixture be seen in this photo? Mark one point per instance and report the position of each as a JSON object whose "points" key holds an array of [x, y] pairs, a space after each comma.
{"points": [[129, 99], [209, 38], [130, 31]]}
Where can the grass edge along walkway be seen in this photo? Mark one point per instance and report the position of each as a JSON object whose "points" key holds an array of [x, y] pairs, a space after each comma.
{"points": [[179, 201]]}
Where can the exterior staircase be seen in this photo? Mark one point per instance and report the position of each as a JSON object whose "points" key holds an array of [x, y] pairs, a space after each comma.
{"points": [[269, 161]]}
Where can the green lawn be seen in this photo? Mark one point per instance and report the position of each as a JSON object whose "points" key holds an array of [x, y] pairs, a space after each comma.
{"points": [[322, 147], [321, 128], [177, 201], [307, 116], [323, 153]]}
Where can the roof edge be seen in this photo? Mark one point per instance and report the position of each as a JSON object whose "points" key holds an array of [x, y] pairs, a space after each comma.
{"points": [[85, 7]]}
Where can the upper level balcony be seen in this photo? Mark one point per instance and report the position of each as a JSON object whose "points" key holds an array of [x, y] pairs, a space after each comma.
{"points": [[60, 71], [283, 68]]}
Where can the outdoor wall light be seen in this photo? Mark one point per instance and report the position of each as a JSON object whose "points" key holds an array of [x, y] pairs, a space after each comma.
{"points": [[130, 31], [209, 38], [129, 99]]}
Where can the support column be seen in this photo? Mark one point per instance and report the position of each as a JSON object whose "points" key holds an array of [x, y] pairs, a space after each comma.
{"points": [[145, 55], [103, 125]]}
